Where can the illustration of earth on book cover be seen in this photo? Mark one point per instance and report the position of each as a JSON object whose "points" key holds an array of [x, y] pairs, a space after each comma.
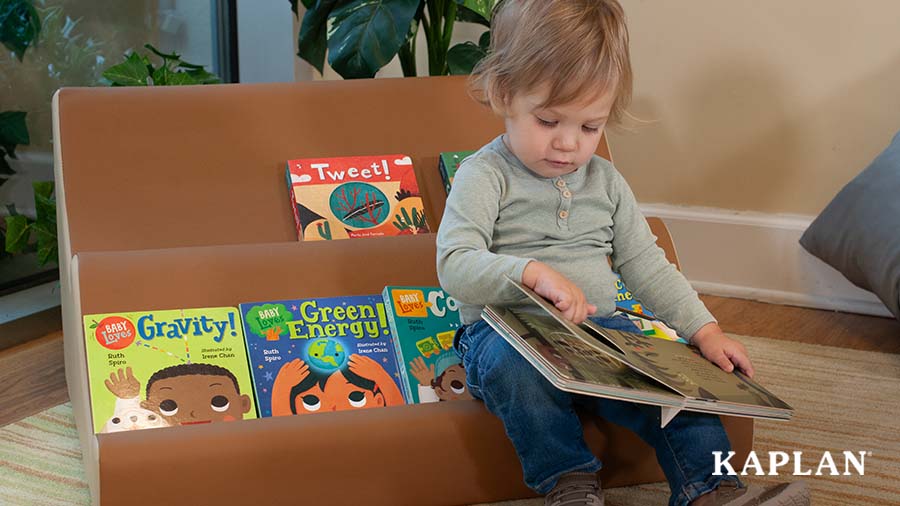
{"points": [[424, 320], [357, 196], [150, 369], [321, 354]]}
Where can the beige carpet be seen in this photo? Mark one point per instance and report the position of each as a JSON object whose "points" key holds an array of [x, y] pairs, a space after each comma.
{"points": [[844, 400]]}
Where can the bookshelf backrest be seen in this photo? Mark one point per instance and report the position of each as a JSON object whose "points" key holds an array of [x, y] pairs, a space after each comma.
{"points": [[164, 167]]}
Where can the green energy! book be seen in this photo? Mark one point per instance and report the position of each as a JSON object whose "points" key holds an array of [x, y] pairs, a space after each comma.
{"points": [[592, 360], [149, 369]]}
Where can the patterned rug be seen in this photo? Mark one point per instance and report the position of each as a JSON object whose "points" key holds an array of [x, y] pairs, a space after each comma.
{"points": [[844, 400]]}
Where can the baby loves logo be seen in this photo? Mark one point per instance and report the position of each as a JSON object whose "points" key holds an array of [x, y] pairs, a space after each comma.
{"points": [[115, 332], [410, 303]]}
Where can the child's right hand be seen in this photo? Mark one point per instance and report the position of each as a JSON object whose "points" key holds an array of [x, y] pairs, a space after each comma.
{"points": [[556, 288]]}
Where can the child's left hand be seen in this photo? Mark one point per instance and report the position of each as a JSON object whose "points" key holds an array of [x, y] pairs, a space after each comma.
{"points": [[721, 349]]}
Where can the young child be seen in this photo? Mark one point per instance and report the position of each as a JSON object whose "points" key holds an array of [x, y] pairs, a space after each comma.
{"points": [[537, 204]]}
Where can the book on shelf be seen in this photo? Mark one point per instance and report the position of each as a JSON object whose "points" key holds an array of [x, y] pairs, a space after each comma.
{"points": [[588, 359], [650, 325], [321, 354], [151, 369], [423, 321], [355, 196], [448, 163]]}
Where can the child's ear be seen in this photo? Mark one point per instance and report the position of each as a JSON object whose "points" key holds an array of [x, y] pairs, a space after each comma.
{"points": [[245, 403]]}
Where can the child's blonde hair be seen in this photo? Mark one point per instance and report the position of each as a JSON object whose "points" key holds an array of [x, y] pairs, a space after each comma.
{"points": [[577, 47]]}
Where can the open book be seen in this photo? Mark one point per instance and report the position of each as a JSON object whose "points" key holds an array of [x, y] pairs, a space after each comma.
{"points": [[589, 359]]}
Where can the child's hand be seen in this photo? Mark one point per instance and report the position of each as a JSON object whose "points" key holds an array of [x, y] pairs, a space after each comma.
{"points": [[721, 349], [423, 374], [556, 288], [292, 373], [123, 385]]}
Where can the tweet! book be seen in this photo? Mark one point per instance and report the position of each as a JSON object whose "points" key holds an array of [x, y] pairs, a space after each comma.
{"points": [[150, 369], [321, 354], [424, 320], [357, 196]]}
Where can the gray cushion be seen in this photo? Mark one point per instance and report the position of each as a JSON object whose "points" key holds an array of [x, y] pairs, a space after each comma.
{"points": [[858, 233]]}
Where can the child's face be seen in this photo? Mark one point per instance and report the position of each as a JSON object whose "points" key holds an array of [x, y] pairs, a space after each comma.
{"points": [[339, 395], [196, 398], [552, 141]]}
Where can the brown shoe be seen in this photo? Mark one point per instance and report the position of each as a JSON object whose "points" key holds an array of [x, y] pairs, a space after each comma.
{"points": [[576, 489], [783, 494]]}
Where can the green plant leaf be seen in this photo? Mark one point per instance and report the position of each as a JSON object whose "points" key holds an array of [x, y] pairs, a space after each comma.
{"points": [[306, 3], [199, 75], [164, 56], [13, 130], [44, 202], [180, 79], [47, 246], [312, 40], [366, 34], [48, 253], [203, 77], [20, 25], [480, 8], [16, 233], [484, 42], [132, 72], [161, 76], [43, 189], [461, 58]]}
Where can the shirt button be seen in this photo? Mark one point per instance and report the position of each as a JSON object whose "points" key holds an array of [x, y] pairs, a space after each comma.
{"points": [[564, 214], [560, 183], [567, 194]]}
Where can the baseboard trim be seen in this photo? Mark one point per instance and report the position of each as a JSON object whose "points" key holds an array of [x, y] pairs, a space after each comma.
{"points": [[867, 307], [757, 256]]}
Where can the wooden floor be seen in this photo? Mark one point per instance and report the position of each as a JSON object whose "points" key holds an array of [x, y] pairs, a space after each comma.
{"points": [[32, 377], [829, 328]]}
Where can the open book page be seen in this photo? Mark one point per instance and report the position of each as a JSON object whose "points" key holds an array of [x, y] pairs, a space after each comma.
{"points": [[675, 365], [541, 337], [684, 369]]}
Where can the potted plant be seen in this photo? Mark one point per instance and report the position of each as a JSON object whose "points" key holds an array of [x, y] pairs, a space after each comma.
{"points": [[361, 36]]}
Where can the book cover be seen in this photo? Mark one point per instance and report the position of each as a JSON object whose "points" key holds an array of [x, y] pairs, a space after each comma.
{"points": [[150, 369], [649, 324], [448, 164], [677, 367], [321, 354], [424, 320], [355, 196]]}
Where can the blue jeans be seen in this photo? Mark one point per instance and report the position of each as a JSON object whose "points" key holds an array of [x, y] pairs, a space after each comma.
{"points": [[541, 422]]}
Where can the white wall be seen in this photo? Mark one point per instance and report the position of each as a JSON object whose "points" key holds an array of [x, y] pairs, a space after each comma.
{"points": [[266, 41]]}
